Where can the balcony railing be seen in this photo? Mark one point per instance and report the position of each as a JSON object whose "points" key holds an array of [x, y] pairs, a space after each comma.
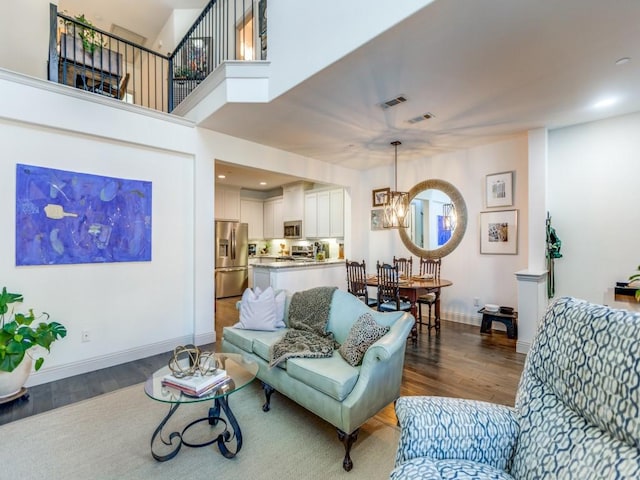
{"points": [[91, 59], [225, 30]]}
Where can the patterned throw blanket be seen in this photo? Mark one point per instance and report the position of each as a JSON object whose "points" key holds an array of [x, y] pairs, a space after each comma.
{"points": [[307, 335]]}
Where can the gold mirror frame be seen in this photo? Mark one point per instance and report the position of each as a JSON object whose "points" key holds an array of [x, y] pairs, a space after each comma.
{"points": [[461, 222]]}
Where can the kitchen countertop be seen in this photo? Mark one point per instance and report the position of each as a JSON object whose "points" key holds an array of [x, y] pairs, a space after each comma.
{"points": [[299, 263]]}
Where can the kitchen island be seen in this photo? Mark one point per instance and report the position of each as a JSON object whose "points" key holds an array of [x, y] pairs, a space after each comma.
{"points": [[297, 275]]}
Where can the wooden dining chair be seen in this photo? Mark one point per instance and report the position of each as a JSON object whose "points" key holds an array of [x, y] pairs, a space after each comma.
{"points": [[404, 266], [429, 266], [389, 289], [357, 282]]}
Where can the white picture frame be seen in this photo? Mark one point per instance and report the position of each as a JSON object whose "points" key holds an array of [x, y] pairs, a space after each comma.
{"points": [[499, 189], [499, 232]]}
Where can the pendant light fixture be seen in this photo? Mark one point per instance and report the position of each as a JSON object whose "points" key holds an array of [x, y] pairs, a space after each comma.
{"points": [[396, 207]]}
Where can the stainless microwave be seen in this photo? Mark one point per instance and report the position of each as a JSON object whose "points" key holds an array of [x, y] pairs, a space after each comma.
{"points": [[293, 229]]}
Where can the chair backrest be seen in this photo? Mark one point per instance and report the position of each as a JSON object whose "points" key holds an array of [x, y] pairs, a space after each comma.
{"points": [[404, 266], [356, 279], [430, 266], [122, 88], [578, 398], [388, 284]]}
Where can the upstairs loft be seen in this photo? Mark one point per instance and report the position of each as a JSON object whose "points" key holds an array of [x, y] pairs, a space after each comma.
{"points": [[227, 34]]}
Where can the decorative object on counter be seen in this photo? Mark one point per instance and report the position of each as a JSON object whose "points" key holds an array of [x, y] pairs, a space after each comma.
{"points": [[200, 363], [499, 189], [18, 341], [379, 196], [499, 232], [552, 252], [396, 208], [341, 251]]}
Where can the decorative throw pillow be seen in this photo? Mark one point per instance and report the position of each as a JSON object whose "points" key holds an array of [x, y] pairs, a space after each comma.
{"points": [[281, 298], [257, 310], [364, 333]]}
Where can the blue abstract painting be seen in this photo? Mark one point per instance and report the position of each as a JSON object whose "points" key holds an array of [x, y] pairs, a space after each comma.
{"points": [[68, 217]]}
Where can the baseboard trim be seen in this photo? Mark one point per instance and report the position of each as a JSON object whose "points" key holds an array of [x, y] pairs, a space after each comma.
{"points": [[475, 320], [47, 375]]}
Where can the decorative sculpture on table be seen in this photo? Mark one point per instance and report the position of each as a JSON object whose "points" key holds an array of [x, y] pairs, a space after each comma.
{"points": [[200, 363]]}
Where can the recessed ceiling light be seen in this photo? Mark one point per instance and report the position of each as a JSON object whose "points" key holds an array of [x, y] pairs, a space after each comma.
{"points": [[222, 176], [605, 102], [263, 183], [623, 60]]}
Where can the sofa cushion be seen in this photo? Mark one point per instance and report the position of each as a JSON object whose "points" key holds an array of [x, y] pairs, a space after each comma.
{"points": [[246, 339], [332, 376], [364, 333], [262, 343], [423, 467]]}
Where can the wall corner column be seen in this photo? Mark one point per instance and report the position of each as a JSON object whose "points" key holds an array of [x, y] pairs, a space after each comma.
{"points": [[532, 303]]}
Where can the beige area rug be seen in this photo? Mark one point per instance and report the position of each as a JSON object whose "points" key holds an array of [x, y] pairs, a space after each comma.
{"points": [[108, 437]]}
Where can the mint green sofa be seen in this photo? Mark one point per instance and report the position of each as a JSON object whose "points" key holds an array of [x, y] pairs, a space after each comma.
{"points": [[343, 395]]}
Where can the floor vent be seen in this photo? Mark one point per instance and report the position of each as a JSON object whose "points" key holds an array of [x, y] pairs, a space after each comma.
{"points": [[394, 101]]}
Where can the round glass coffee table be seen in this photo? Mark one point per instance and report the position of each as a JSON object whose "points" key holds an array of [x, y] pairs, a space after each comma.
{"points": [[241, 372]]}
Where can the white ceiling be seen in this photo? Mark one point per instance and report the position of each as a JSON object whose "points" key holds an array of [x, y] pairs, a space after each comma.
{"points": [[486, 69]]}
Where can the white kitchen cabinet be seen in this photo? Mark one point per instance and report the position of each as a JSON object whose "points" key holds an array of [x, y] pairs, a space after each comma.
{"points": [[310, 221], [252, 213], [227, 203], [273, 223], [324, 214], [336, 203], [293, 198]]}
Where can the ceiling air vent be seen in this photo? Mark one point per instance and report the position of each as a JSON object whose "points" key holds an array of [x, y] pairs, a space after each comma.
{"points": [[394, 101], [420, 118]]}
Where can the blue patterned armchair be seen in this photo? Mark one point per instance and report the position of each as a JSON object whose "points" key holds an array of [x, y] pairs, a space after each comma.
{"points": [[577, 412]]}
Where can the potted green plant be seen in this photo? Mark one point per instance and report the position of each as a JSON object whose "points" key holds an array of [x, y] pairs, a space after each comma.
{"points": [[90, 38], [19, 339]]}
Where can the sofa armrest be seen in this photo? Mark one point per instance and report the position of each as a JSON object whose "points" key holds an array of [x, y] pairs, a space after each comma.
{"points": [[453, 428]]}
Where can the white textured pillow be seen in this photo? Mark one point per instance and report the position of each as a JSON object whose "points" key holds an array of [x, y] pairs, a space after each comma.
{"points": [[257, 310], [281, 298]]}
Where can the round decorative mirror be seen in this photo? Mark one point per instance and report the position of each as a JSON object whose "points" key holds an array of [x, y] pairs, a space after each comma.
{"points": [[438, 219]]}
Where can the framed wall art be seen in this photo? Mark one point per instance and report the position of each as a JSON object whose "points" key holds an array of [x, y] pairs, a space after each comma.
{"points": [[499, 189], [380, 196], [376, 218], [499, 232], [65, 217]]}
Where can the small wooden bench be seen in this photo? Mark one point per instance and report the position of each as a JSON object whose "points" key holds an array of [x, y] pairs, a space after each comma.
{"points": [[509, 319]]}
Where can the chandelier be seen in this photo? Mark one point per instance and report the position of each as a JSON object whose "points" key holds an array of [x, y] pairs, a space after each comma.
{"points": [[396, 207]]}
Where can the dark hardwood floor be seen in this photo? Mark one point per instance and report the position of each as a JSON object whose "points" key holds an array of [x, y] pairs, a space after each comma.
{"points": [[457, 362]]}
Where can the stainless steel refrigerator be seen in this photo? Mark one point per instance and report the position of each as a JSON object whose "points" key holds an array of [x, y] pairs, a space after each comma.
{"points": [[232, 258]]}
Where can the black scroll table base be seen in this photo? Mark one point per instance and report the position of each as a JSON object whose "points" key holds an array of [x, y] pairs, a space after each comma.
{"points": [[222, 439]]}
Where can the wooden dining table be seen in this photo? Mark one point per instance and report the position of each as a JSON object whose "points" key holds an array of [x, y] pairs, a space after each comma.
{"points": [[415, 286]]}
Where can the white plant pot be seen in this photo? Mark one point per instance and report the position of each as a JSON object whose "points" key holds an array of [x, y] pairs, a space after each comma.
{"points": [[12, 382]]}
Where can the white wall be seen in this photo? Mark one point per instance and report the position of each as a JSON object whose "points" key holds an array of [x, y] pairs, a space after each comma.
{"points": [[25, 36], [594, 198], [488, 277], [304, 37], [124, 306]]}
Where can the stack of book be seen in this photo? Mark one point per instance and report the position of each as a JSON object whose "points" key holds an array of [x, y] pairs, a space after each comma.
{"points": [[196, 386]]}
